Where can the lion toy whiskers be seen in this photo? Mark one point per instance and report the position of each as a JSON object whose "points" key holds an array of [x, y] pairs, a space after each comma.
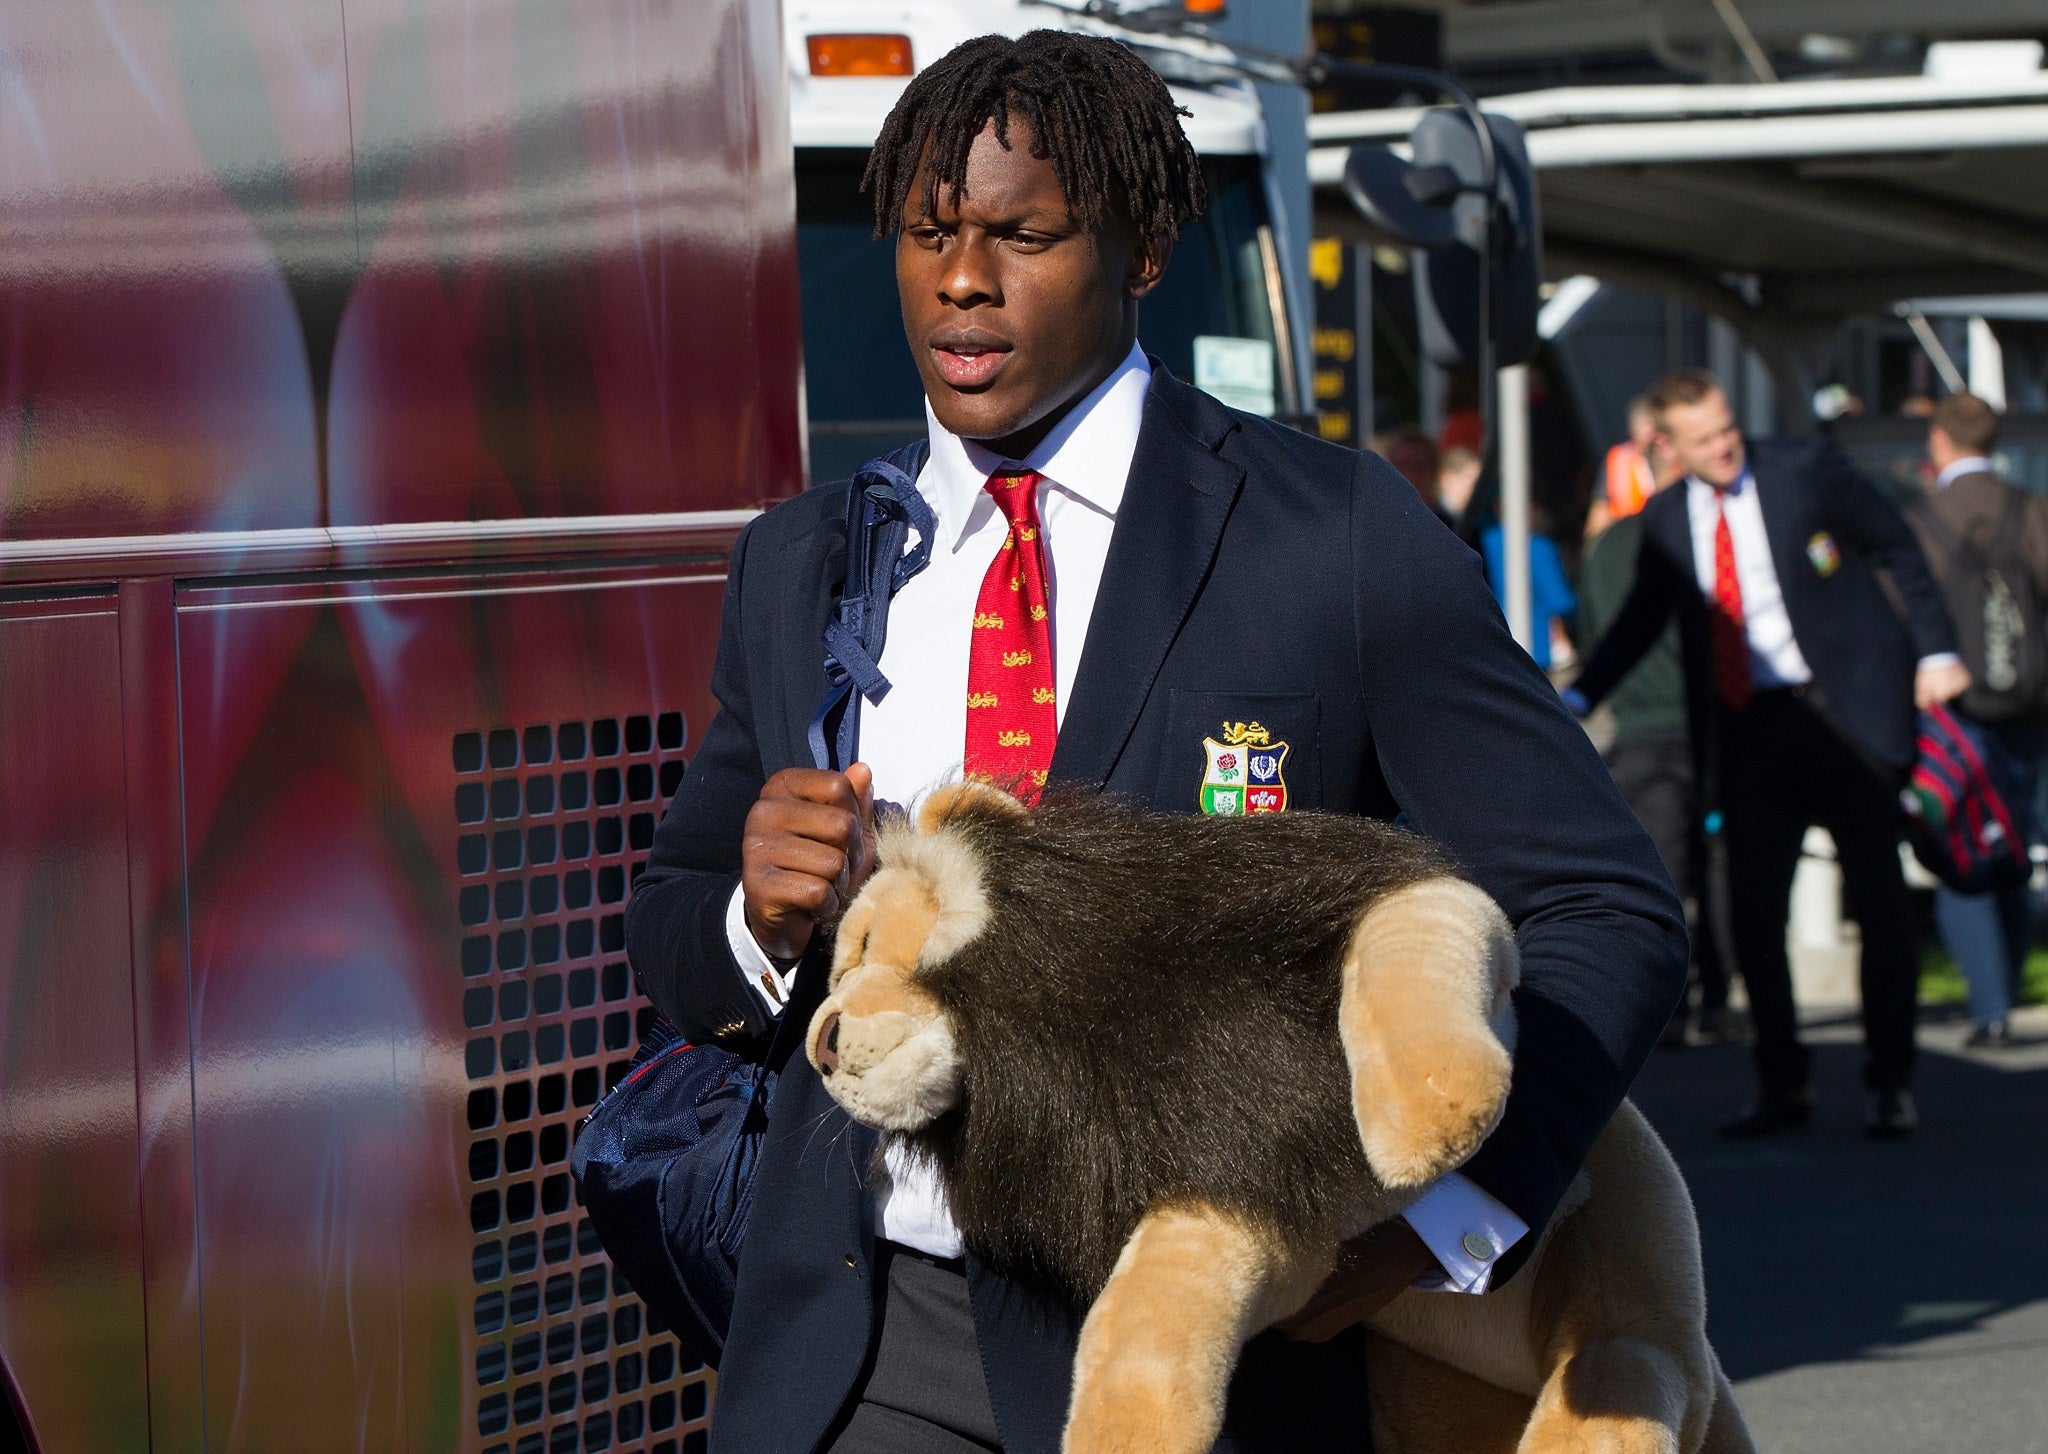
{"points": [[1169, 1064]]}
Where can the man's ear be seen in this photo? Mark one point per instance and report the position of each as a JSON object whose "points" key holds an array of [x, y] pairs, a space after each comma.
{"points": [[1146, 264]]}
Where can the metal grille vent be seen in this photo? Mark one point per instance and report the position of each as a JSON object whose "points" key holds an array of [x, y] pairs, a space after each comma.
{"points": [[556, 820]]}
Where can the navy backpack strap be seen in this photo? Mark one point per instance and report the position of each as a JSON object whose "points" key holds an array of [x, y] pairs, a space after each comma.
{"points": [[883, 507]]}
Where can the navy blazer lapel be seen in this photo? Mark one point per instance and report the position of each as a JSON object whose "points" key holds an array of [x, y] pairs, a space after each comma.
{"points": [[1780, 523], [1168, 528]]}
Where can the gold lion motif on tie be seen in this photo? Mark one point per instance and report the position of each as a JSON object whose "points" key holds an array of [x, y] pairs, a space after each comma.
{"points": [[1043, 696], [1013, 739], [987, 621], [1017, 658], [981, 699]]}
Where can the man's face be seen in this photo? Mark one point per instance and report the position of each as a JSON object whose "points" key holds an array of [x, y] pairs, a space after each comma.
{"points": [[1013, 311], [1704, 441]]}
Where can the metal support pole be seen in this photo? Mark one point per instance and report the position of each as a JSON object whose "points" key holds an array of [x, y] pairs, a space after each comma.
{"points": [[1364, 404], [1513, 402]]}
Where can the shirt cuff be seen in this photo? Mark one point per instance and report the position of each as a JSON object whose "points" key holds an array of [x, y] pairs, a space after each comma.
{"points": [[1940, 658], [1466, 1230], [759, 971]]}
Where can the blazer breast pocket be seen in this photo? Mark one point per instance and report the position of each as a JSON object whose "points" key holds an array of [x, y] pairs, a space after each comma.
{"points": [[1237, 753]]}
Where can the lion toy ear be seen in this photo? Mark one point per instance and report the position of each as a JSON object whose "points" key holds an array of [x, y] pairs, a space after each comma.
{"points": [[1426, 977], [966, 799]]}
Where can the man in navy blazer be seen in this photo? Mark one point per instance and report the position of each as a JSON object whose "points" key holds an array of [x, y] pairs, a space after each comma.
{"points": [[1248, 574], [1801, 686]]}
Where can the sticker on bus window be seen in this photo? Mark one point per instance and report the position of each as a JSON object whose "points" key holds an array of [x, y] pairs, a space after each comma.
{"points": [[1239, 371]]}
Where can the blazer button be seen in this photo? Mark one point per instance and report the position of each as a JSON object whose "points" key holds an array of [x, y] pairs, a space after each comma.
{"points": [[853, 1261], [731, 1027]]}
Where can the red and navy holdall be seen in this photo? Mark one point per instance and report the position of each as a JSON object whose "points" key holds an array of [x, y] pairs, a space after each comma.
{"points": [[1967, 821]]}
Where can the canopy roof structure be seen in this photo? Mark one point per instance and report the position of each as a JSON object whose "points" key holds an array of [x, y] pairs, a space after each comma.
{"points": [[1481, 33], [1782, 208]]}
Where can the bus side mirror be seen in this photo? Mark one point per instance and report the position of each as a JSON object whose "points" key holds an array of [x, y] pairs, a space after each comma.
{"points": [[1447, 278], [1403, 205], [1433, 205]]}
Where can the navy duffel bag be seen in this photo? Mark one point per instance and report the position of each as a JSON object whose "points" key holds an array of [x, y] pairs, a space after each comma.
{"points": [[665, 1163], [673, 1222]]}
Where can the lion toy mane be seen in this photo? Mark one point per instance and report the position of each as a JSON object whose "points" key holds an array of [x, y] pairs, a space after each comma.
{"points": [[1170, 1064]]}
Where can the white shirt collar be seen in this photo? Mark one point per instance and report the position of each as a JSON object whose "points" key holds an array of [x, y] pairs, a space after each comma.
{"points": [[1702, 491], [1088, 454], [1976, 464]]}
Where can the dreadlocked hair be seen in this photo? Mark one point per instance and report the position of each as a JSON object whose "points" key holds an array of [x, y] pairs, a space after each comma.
{"points": [[1100, 114]]}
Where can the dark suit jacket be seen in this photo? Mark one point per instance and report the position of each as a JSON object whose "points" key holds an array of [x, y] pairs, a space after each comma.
{"points": [[1861, 652], [1254, 573], [1975, 508]]}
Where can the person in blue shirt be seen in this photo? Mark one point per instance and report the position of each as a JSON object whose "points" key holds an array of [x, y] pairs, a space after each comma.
{"points": [[1552, 601]]}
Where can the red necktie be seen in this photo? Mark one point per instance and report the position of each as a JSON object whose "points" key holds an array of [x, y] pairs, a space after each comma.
{"points": [[1011, 720], [1730, 629]]}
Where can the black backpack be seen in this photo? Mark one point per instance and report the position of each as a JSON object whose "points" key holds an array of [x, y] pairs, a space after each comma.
{"points": [[1998, 613]]}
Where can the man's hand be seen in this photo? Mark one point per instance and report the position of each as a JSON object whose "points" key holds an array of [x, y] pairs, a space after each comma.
{"points": [[1371, 1272], [808, 846], [1940, 683]]}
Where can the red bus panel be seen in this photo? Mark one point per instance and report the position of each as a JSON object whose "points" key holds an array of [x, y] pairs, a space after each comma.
{"points": [[381, 389]]}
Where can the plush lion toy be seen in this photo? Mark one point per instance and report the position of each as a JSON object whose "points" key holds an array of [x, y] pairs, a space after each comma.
{"points": [[1170, 1064]]}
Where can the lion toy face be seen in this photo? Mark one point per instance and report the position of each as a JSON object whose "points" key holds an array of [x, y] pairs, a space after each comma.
{"points": [[882, 1041]]}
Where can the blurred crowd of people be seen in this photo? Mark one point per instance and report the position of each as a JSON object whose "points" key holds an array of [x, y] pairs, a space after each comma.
{"points": [[1778, 643]]}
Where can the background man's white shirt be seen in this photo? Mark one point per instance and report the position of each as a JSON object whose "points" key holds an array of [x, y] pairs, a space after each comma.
{"points": [[1774, 656], [914, 738]]}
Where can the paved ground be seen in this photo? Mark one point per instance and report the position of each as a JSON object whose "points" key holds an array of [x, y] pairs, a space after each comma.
{"points": [[1877, 1298]]}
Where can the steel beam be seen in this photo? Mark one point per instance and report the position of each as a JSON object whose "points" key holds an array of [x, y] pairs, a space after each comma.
{"points": [[1538, 28]]}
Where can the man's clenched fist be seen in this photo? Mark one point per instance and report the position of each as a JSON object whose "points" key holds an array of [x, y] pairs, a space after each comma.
{"points": [[809, 845]]}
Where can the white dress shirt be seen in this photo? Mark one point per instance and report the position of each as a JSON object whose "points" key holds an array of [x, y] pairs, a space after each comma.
{"points": [[1974, 464], [914, 739], [1774, 656]]}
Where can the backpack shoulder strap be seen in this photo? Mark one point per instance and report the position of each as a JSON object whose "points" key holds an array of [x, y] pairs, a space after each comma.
{"points": [[883, 507], [2005, 544]]}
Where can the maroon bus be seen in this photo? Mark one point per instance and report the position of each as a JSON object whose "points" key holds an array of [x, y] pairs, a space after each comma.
{"points": [[382, 385]]}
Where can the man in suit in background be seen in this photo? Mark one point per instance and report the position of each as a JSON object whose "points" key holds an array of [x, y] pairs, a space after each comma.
{"points": [[1801, 687], [1121, 569], [1971, 512]]}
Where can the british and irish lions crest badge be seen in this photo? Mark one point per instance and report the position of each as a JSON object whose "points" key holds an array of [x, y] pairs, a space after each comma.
{"points": [[1245, 772]]}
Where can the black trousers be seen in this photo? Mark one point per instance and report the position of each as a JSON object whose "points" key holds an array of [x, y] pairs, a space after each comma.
{"points": [[1784, 768], [923, 1391], [1657, 777]]}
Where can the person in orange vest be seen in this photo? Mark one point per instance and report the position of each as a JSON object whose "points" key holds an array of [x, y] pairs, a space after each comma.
{"points": [[1634, 470]]}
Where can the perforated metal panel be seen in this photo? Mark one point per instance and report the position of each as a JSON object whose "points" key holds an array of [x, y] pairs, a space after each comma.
{"points": [[555, 821]]}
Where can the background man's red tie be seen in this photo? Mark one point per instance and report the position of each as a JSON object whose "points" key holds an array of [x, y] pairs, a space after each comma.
{"points": [[1011, 720], [1730, 629]]}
